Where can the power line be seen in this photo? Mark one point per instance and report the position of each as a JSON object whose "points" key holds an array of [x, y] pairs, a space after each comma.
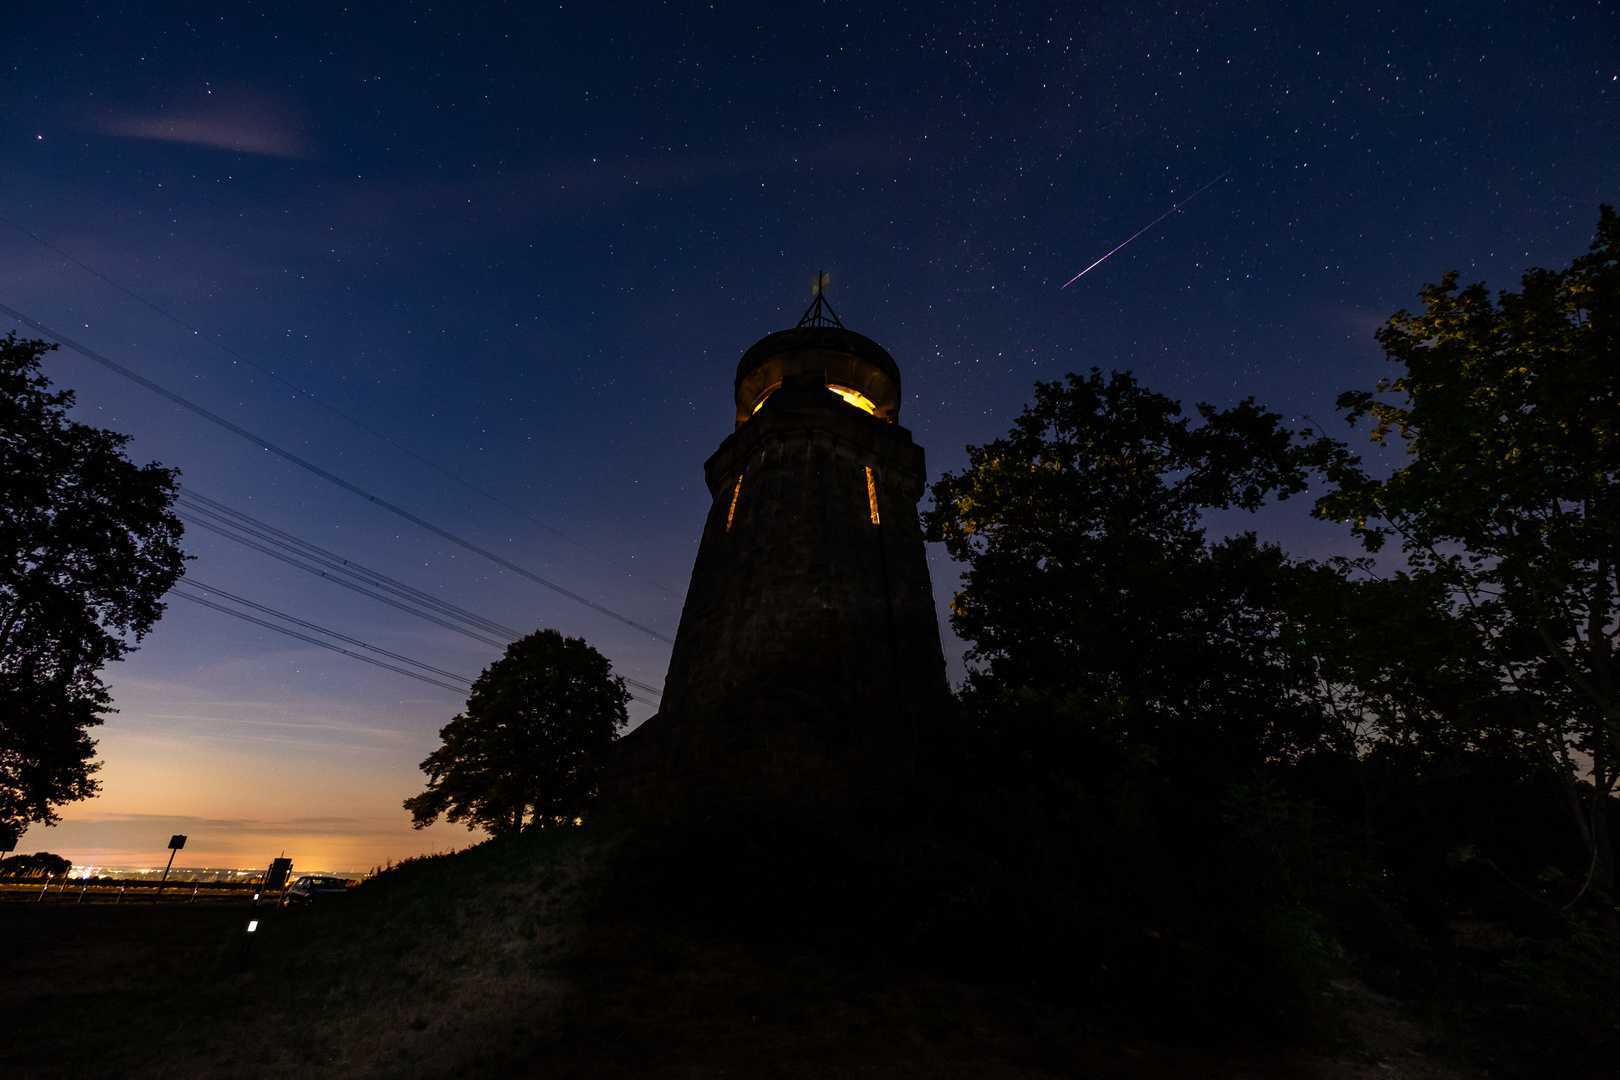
{"points": [[295, 459], [341, 637], [339, 581], [315, 641], [288, 542], [322, 630], [643, 686], [288, 455], [336, 576], [251, 525], [333, 409]]}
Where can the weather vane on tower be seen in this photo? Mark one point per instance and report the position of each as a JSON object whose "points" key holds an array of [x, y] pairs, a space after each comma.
{"points": [[820, 312]]}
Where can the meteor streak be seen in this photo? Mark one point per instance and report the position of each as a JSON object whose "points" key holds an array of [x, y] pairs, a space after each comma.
{"points": [[1174, 207]]}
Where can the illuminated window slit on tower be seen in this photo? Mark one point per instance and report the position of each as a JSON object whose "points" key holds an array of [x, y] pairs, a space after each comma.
{"points": [[871, 493], [738, 491]]}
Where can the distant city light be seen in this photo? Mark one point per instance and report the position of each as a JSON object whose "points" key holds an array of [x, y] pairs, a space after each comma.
{"points": [[253, 925]]}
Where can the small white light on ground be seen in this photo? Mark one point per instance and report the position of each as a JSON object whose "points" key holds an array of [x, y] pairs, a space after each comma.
{"points": [[252, 926]]}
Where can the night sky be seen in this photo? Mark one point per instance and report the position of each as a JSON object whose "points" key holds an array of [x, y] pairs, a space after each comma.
{"points": [[453, 252]]}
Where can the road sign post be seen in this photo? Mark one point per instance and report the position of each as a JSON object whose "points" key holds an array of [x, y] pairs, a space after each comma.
{"points": [[274, 878], [176, 842]]}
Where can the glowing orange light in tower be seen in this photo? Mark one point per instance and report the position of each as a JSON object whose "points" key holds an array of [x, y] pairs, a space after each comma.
{"points": [[854, 397]]}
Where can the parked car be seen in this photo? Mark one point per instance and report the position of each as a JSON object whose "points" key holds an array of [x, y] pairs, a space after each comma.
{"points": [[307, 889]]}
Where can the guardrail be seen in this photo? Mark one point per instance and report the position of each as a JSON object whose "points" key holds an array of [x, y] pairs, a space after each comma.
{"points": [[104, 891]]}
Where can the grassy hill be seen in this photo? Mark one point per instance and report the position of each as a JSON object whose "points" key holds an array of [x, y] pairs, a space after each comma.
{"points": [[600, 951]]}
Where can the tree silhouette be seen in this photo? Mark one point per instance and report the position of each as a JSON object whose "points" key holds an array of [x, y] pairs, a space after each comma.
{"points": [[1089, 571], [532, 743], [39, 864], [88, 547], [1509, 495]]}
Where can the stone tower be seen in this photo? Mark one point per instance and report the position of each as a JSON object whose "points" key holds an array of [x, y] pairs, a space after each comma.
{"points": [[807, 667]]}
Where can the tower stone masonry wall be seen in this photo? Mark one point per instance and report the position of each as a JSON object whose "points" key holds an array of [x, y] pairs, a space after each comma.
{"points": [[807, 665]]}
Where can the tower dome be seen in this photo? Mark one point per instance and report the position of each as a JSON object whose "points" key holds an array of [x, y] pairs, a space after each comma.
{"points": [[852, 365]]}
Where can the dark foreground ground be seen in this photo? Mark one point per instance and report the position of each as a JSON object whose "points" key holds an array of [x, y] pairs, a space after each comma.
{"points": [[488, 963]]}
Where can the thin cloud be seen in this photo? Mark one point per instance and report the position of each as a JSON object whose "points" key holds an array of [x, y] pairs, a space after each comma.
{"points": [[194, 825], [255, 131]]}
